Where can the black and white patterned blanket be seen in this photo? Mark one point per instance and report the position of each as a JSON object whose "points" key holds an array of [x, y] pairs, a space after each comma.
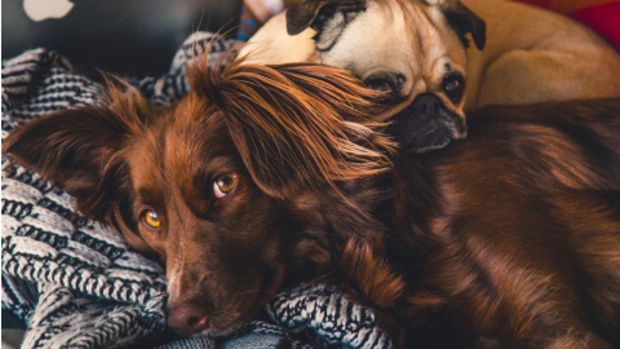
{"points": [[78, 284]]}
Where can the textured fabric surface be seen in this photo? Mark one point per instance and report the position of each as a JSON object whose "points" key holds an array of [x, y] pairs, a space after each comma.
{"points": [[78, 284]]}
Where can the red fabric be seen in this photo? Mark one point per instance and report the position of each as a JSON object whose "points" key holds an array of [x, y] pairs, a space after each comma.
{"points": [[567, 7], [605, 19]]}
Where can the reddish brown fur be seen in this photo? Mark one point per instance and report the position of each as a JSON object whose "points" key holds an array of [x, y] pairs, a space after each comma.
{"points": [[513, 234], [519, 227]]}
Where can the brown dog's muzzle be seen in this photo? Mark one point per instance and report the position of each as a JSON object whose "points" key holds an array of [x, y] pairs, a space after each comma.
{"points": [[212, 293], [427, 124], [188, 318], [188, 311]]}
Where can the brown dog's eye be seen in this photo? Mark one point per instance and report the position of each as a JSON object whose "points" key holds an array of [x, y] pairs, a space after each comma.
{"points": [[151, 218], [453, 85], [224, 184]]}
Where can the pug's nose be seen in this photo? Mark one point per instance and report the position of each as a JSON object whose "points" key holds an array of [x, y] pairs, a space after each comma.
{"points": [[427, 104], [188, 318]]}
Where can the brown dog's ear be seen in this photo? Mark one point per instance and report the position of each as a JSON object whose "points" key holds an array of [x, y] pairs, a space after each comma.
{"points": [[328, 17], [77, 149], [291, 124], [464, 21]]}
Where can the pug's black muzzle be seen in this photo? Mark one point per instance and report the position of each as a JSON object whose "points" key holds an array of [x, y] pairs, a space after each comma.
{"points": [[426, 124]]}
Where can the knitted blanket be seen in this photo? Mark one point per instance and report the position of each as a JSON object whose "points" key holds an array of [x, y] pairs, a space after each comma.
{"points": [[78, 284]]}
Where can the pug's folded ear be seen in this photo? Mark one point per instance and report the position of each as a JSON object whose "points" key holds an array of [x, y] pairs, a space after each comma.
{"points": [[464, 21], [328, 17]]}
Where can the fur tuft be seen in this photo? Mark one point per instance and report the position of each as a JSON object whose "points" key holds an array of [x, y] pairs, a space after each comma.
{"points": [[297, 123]]}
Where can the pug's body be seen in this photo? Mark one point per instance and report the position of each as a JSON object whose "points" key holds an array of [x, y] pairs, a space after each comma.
{"points": [[534, 56], [408, 48]]}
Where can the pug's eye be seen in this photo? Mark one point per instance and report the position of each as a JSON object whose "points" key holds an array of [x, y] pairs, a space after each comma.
{"points": [[224, 185], [381, 85], [151, 218], [453, 86]]}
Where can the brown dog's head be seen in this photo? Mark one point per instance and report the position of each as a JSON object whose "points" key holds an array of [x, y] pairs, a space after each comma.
{"points": [[412, 50], [218, 185]]}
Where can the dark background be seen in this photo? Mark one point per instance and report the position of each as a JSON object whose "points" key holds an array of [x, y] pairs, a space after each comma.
{"points": [[136, 37]]}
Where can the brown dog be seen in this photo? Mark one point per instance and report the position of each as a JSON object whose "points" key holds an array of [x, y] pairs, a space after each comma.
{"points": [[215, 186], [263, 172]]}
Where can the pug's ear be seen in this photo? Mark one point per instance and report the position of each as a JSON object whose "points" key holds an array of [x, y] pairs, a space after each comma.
{"points": [[328, 17], [464, 21]]}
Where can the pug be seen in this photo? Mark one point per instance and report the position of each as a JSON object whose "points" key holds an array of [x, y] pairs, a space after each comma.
{"points": [[441, 58]]}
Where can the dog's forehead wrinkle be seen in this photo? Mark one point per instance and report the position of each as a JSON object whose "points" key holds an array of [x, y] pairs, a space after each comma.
{"points": [[429, 34], [415, 52], [362, 42]]}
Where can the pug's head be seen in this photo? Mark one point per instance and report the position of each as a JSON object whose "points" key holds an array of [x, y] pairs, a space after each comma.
{"points": [[412, 50]]}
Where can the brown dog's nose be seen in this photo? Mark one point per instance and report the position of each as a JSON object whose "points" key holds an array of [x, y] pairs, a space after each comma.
{"points": [[188, 318]]}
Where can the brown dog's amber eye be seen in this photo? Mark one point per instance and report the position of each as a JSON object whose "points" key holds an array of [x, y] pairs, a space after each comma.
{"points": [[224, 184], [151, 218]]}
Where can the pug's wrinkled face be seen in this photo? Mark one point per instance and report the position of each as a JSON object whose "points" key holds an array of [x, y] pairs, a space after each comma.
{"points": [[412, 50]]}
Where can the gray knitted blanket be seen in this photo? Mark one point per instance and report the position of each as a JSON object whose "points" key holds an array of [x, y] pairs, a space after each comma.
{"points": [[78, 284]]}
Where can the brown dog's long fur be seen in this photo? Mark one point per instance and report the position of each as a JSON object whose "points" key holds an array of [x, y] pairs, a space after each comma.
{"points": [[512, 234], [517, 229]]}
